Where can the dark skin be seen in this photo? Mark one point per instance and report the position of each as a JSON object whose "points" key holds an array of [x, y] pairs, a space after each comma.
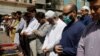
{"points": [[95, 9], [58, 48]]}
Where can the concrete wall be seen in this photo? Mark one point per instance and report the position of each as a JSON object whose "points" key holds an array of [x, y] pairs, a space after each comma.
{"points": [[41, 1], [6, 9], [8, 6]]}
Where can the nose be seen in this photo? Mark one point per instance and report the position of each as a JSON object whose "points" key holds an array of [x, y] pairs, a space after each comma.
{"points": [[92, 11]]}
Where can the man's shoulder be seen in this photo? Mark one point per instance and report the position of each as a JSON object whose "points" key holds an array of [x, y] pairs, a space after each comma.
{"points": [[80, 24], [88, 29], [61, 23]]}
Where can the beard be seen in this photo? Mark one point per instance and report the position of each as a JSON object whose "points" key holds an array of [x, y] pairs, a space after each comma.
{"points": [[96, 17], [72, 18]]}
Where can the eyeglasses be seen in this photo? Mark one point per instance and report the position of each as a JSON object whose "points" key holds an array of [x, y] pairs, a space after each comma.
{"points": [[95, 7], [67, 13]]}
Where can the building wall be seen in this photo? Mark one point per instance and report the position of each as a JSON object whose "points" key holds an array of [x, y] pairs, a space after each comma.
{"points": [[41, 1], [8, 6], [79, 3], [60, 6], [6, 9]]}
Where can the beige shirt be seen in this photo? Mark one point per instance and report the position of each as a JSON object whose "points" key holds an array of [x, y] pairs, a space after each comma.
{"points": [[89, 44]]}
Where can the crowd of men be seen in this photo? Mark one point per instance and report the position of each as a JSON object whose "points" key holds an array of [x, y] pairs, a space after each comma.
{"points": [[47, 34]]}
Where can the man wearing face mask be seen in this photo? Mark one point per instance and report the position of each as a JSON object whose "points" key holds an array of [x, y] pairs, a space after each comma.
{"points": [[71, 34]]}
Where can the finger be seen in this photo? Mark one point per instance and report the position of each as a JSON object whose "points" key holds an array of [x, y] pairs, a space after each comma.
{"points": [[59, 48], [59, 51]]}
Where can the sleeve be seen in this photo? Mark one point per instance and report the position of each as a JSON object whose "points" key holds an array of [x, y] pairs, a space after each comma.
{"points": [[20, 26], [57, 37], [16, 39], [54, 41], [45, 43], [44, 31], [24, 27], [33, 26], [69, 51], [75, 51], [80, 49]]}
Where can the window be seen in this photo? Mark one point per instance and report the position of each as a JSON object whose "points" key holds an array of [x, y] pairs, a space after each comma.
{"points": [[30, 1], [17, 0], [40, 6], [25, 1]]}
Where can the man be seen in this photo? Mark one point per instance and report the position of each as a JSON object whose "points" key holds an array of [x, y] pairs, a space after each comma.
{"points": [[31, 25], [14, 23], [19, 27], [86, 18], [40, 33], [89, 44], [71, 34], [54, 36], [6, 22]]}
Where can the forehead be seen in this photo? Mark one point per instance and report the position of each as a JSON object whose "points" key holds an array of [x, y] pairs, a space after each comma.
{"points": [[95, 2], [67, 9]]}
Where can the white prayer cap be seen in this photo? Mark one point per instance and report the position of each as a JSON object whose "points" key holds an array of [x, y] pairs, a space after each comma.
{"points": [[86, 7], [50, 14]]}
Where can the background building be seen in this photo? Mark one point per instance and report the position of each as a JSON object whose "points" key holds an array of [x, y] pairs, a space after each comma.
{"points": [[8, 6], [56, 5], [79, 3]]}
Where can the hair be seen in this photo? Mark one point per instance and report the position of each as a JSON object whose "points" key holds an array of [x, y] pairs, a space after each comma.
{"points": [[61, 16], [19, 12], [40, 15], [13, 13], [90, 0], [31, 9], [26, 14], [74, 8], [86, 10]]}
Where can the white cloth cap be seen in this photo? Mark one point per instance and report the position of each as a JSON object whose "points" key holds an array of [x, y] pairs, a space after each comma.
{"points": [[50, 14], [86, 7]]}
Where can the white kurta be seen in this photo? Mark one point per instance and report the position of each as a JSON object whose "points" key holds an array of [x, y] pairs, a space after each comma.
{"points": [[54, 36], [19, 26], [33, 25]]}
